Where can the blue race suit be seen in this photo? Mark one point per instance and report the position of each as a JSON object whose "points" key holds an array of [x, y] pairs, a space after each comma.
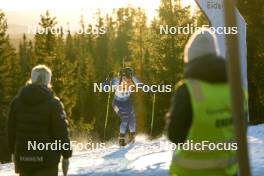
{"points": [[123, 107]]}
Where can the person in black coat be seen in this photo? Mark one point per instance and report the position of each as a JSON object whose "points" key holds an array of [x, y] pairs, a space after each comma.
{"points": [[5, 155], [37, 127]]}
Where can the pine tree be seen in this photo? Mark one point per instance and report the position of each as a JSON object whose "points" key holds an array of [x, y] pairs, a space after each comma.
{"points": [[25, 54], [138, 49], [8, 71], [171, 13], [252, 11], [101, 49], [164, 55], [45, 42], [124, 25]]}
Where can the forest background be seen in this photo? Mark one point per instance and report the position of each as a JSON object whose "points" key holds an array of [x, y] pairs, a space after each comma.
{"points": [[78, 61]]}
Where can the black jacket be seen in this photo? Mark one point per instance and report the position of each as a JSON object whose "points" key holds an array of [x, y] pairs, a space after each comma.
{"points": [[5, 155], [208, 68], [36, 115]]}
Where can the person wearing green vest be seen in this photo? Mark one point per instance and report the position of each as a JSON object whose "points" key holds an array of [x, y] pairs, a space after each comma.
{"points": [[200, 120]]}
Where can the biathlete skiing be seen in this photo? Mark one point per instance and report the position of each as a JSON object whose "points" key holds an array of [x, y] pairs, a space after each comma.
{"points": [[122, 104]]}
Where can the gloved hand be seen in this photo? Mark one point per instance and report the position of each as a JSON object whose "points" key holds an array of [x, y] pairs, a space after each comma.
{"points": [[65, 166]]}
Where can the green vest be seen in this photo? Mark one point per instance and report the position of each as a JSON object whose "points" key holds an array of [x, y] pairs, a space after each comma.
{"points": [[211, 123]]}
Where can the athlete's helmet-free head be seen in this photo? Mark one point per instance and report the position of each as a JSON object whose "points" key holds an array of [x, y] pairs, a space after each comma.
{"points": [[127, 71], [41, 75]]}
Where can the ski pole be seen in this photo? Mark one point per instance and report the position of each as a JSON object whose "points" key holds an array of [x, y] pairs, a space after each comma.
{"points": [[153, 113], [107, 109]]}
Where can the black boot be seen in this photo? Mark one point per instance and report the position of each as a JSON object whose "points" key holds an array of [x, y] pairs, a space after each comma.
{"points": [[132, 137], [122, 139]]}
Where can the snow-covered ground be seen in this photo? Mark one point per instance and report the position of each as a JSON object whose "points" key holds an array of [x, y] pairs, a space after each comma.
{"points": [[256, 147], [143, 158]]}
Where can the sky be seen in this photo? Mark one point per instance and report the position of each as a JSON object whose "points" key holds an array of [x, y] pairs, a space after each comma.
{"points": [[27, 11]]}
